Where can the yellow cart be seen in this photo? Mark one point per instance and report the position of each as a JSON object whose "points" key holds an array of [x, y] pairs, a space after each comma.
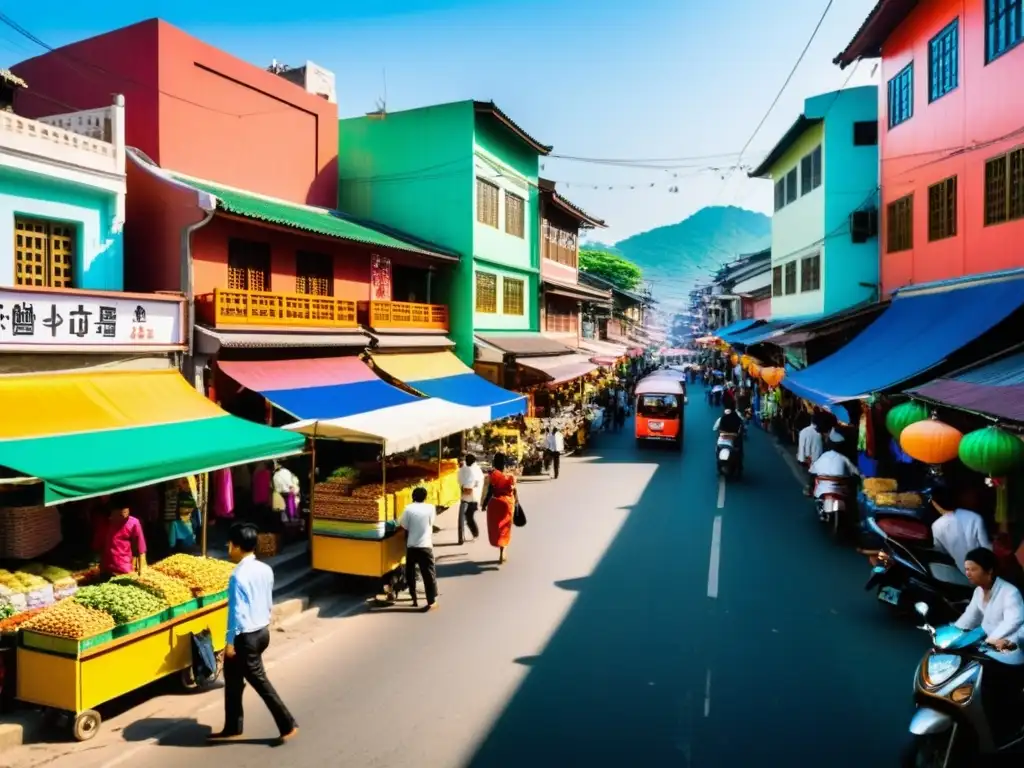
{"points": [[74, 682]]}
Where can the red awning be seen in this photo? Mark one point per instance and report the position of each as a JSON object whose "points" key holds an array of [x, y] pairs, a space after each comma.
{"points": [[272, 375]]}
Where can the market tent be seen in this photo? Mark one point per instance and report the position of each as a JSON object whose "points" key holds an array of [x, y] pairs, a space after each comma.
{"points": [[994, 389], [844, 321], [738, 327], [324, 388], [443, 375], [90, 434], [762, 333], [604, 352], [559, 368], [400, 427], [922, 327]]}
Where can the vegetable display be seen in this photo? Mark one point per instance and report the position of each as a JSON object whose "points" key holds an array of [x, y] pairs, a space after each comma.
{"points": [[170, 590], [204, 575], [6, 610], [122, 602], [70, 619]]}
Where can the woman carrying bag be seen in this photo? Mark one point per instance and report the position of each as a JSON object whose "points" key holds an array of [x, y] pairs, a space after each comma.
{"points": [[502, 505]]}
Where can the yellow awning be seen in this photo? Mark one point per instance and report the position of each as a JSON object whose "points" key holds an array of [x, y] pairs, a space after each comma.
{"points": [[71, 403], [420, 367]]}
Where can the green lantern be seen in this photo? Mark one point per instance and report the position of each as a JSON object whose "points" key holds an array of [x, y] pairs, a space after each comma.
{"points": [[992, 451], [903, 415]]}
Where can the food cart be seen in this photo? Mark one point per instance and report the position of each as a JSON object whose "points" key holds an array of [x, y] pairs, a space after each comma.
{"points": [[362, 539]]}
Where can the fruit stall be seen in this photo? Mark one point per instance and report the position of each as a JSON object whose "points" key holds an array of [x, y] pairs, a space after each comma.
{"points": [[108, 639]]}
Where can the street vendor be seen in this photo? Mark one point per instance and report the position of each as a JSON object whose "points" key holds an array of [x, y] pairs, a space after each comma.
{"points": [[119, 539]]}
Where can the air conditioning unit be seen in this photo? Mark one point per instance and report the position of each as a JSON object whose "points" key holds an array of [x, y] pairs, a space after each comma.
{"points": [[863, 225]]}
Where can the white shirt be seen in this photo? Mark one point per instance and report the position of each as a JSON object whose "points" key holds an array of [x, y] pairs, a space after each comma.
{"points": [[810, 446], [1001, 618], [831, 464], [556, 442], [473, 479], [285, 482], [957, 533], [418, 521]]}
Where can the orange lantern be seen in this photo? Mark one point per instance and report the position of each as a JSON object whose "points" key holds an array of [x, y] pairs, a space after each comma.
{"points": [[754, 370], [745, 361], [734, 358], [931, 441], [773, 376]]}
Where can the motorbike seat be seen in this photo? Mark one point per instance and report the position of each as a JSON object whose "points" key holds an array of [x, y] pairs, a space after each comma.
{"points": [[948, 574]]}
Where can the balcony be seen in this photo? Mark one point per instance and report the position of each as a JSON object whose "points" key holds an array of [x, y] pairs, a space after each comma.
{"points": [[403, 314], [226, 307]]}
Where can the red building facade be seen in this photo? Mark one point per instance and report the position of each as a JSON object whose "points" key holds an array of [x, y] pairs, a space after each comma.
{"points": [[951, 135]]}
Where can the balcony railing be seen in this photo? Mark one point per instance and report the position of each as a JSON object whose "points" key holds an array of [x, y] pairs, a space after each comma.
{"points": [[225, 307], [403, 314]]}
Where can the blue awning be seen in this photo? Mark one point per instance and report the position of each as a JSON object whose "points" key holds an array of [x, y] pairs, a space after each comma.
{"points": [[760, 333], [923, 326], [738, 327]]}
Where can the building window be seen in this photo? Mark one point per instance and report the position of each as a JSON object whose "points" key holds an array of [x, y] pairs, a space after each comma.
{"points": [[899, 222], [1004, 27], [44, 253], [780, 194], [1004, 187], [558, 244], [810, 273], [487, 203], [810, 171], [791, 189], [865, 133], [944, 61], [248, 265], [901, 96], [777, 281], [486, 293], [942, 209], [515, 215], [790, 278], [314, 274], [557, 317], [512, 294]]}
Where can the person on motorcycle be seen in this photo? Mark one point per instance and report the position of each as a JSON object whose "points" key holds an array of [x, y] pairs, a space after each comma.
{"points": [[997, 606], [957, 531], [731, 423], [832, 463]]}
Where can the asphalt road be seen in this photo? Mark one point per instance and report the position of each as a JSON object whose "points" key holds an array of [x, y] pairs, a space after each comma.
{"points": [[646, 617]]}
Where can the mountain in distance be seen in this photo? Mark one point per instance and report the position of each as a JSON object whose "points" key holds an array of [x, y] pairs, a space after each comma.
{"points": [[675, 257]]}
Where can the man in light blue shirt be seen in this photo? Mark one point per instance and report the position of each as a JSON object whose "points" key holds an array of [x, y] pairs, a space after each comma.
{"points": [[250, 600]]}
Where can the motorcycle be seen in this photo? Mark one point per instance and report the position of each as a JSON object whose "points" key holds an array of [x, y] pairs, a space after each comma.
{"points": [[832, 506], [728, 455], [903, 575], [953, 724]]}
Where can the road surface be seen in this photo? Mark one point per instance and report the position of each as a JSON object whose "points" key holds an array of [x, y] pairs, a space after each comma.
{"points": [[648, 615]]}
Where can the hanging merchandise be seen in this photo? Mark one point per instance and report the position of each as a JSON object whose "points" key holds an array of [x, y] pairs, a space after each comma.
{"points": [[992, 451], [773, 376], [931, 441], [903, 415], [754, 370], [734, 358]]}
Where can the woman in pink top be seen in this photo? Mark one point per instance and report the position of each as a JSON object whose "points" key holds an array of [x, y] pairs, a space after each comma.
{"points": [[261, 480], [123, 543]]}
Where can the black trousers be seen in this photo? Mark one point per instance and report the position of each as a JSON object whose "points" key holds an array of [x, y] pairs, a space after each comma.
{"points": [[556, 461], [246, 666], [467, 519], [424, 558]]}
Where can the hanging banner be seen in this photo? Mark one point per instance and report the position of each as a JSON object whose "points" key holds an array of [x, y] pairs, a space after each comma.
{"points": [[380, 278]]}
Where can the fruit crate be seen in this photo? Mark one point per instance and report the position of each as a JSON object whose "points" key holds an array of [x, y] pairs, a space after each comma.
{"points": [[216, 597], [63, 646], [131, 627], [180, 610]]}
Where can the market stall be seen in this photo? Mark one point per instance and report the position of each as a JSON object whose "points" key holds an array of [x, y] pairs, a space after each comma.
{"points": [[74, 437]]}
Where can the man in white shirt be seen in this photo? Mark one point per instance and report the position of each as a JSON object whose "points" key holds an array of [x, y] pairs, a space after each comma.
{"points": [[471, 481], [832, 464], [809, 447], [555, 445], [418, 521], [957, 531]]}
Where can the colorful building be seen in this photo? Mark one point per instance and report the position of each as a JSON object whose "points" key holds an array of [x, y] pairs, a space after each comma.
{"points": [[951, 146], [824, 240], [463, 176]]}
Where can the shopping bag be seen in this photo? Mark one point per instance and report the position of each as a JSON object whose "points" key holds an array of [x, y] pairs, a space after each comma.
{"points": [[204, 659], [519, 516]]}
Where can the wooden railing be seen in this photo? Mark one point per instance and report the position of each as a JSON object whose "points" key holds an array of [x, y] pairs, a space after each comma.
{"points": [[403, 314], [233, 307]]}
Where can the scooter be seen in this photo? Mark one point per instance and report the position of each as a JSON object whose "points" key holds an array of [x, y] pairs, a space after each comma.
{"points": [[903, 575], [728, 455], [953, 725]]}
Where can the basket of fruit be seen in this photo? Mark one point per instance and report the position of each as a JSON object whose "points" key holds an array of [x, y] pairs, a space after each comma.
{"points": [[205, 576], [67, 628], [132, 609]]}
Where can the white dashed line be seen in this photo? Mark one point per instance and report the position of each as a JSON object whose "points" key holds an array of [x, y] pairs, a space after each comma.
{"points": [[716, 556]]}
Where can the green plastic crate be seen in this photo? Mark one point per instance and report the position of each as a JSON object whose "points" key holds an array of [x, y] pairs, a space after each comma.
{"points": [[139, 625], [217, 597], [176, 611], [62, 645]]}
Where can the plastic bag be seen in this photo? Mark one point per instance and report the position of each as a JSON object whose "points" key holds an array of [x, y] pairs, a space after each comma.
{"points": [[204, 659]]}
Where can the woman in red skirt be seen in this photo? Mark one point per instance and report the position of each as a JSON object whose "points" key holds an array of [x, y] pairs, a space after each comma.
{"points": [[501, 504]]}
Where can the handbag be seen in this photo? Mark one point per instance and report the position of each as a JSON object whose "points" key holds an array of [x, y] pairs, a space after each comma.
{"points": [[519, 516]]}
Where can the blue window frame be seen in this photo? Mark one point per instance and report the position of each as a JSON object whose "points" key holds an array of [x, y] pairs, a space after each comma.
{"points": [[901, 96], [944, 61], [1004, 27]]}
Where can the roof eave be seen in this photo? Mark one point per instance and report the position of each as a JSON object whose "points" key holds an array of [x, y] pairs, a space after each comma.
{"points": [[490, 108], [799, 127], [575, 211], [880, 23]]}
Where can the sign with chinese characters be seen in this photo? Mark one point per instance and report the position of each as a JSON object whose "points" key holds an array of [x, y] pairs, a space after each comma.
{"points": [[46, 319], [380, 278]]}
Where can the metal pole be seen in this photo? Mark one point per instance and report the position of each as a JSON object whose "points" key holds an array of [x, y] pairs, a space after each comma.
{"points": [[312, 486], [205, 512], [384, 480]]}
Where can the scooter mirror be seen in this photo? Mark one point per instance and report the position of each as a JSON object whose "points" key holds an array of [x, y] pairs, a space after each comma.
{"points": [[922, 609]]}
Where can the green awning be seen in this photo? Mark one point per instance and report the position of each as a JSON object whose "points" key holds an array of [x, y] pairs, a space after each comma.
{"points": [[100, 433], [321, 221]]}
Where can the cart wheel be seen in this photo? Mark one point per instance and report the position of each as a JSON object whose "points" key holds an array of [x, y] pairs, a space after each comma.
{"points": [[86, 725]]}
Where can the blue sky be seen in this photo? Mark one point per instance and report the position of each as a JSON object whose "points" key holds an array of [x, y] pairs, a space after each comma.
{"points": [[596, 78]]}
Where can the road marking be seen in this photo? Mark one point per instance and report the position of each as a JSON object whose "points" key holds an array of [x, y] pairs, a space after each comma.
{"points": [[721, 493], [707, 695], [716, 556]]}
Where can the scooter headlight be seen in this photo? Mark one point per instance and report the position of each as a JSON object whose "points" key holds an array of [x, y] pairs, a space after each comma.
{"points": [[940, 668]]}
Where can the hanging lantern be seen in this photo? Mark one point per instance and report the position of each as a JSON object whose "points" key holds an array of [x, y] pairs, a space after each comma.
{"points": [[754, 370], [745, 361], [931, 441], [773, 376], [992, 451], [734, 358], [903, 415]]}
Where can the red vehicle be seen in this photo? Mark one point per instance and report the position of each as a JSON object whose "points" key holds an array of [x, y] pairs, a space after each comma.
{"points": [[659, 408]]}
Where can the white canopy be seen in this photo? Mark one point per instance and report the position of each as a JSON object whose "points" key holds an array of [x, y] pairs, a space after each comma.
{"points": [[400, 427]]}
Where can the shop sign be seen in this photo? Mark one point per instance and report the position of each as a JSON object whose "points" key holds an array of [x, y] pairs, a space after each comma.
{"points": [[31, 318]]}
